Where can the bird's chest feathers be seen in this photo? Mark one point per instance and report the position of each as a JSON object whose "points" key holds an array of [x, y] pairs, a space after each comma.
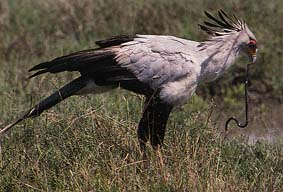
{"points": [[179, 92]]}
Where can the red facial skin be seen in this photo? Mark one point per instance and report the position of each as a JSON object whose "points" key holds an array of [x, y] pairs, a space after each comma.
{"points": [[252, 47]]}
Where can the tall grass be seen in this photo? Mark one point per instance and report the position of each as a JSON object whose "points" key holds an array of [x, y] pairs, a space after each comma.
{"points": [[89, 143]]}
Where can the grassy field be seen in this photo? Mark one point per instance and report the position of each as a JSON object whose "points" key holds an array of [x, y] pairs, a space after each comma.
{"points": [[89, 143]]}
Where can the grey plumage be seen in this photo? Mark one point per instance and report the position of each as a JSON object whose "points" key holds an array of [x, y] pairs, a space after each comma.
{"points": [[166, 69]]}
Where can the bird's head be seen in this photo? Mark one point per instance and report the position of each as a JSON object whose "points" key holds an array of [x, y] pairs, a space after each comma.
{"points": [[248, 43], [232, 29]]}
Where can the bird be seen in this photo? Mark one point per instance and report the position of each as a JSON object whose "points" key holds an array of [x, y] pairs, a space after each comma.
{"points": [[165, 69]]}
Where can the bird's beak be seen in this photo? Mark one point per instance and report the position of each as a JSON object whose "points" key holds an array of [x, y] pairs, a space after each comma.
{"points": [[253, 58], [252, 53]]}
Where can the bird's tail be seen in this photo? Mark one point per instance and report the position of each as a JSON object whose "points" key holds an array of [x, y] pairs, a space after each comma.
{"points": [[68, 90]]}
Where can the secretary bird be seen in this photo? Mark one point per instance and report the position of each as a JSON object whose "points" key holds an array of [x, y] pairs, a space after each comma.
{"points": [[165, 69]]}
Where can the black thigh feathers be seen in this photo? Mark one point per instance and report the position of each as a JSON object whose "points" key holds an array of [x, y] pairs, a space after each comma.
{"points": [[152, 125]]}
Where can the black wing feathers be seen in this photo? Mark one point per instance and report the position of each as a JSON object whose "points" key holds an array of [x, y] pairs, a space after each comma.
{"points": [[59, 60], [114, 41], [79, 61], [98, 64], [85, 61]]}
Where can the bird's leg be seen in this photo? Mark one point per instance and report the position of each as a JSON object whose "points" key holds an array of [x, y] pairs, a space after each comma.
{"points": [[160, 112], [152, 126], [143, 128]]}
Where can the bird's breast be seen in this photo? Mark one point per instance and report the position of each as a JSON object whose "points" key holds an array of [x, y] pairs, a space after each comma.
{"points": [[179, 92]]}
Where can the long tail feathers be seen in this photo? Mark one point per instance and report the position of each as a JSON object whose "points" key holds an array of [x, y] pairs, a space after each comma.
{"points": [[68, 90]]}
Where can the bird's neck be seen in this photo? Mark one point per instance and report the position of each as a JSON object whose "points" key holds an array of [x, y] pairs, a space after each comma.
{"points": [[218, 55]]}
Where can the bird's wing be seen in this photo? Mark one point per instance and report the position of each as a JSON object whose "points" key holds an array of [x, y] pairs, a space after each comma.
{"points": [[136, 62], [157, 60], [89, 61]]}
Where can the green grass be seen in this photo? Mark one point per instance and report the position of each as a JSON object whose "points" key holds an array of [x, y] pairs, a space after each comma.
{"points": [[89, 143]]}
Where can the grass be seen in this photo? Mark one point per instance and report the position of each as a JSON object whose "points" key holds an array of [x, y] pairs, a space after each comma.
{"points": [[89, 143]]}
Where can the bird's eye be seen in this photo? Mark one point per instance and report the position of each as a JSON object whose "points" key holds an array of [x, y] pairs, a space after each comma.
{"points": [[252, 44]]}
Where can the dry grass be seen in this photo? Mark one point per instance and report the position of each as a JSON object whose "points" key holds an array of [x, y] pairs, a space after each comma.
{"points": [[89, 143]]}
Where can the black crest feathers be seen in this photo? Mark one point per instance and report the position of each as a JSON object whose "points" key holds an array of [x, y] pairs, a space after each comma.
{"points": [[221, 25]]}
